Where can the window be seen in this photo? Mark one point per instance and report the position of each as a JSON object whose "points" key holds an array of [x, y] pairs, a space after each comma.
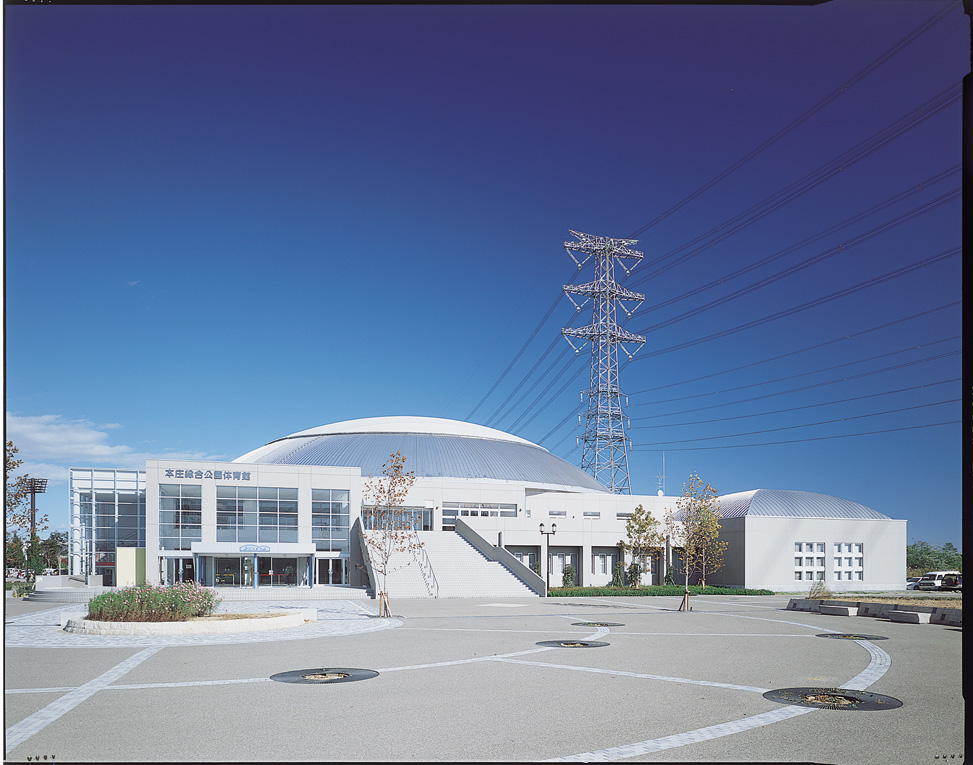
{"points": [[557, 513], [809, 561], [859, 575], [848, 562], [797, 576], [480, 509], [797, 560], [858, 547], [837, 563], [820, 576], [809, 575], [329, 519], [180, 515], [797, 547], [820, 548], [820, 562], [859, 562], [592, 514]]}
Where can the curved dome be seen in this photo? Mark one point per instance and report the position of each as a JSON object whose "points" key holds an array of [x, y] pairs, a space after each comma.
{"points": [[778, 503], [433, 448]]}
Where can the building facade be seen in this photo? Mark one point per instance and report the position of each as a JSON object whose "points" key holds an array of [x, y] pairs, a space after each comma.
{"points": [[287, 514]]}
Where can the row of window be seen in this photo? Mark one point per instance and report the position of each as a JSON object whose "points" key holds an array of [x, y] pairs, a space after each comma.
{"points": [[819, 547], [838, 576]]}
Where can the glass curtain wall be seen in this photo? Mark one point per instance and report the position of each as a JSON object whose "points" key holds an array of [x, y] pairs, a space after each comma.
{"points": [[107, 512]]}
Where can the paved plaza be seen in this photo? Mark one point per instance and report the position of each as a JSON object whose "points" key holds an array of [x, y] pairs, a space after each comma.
{"points": [[466, 680]]}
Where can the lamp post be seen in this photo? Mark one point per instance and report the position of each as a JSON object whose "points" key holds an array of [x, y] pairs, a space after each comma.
{"points": [[36, 486], [547, 560]]}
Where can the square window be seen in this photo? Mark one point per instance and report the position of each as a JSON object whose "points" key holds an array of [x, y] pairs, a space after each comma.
{"points": [[797, 547], [797, 560], [820, 576], [820, 548], [820, 562], [809, 575], [797, 576], [858, 547], [809, 561], [859, 562], [860, 575]]}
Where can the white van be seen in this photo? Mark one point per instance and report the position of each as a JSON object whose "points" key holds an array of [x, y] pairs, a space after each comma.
{"points": [[934, 580]]}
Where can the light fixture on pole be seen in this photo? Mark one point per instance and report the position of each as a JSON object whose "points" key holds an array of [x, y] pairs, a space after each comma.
{"points": [[35, 486], [548, 534]]}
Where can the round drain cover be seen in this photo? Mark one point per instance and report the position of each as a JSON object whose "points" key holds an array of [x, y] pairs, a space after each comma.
{"points": [[324, 675], [853, 637], [833, 698], [572, 643], [597, 624]]}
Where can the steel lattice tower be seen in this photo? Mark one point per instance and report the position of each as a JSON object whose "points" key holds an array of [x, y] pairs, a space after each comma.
{"points": [[605, 452]]}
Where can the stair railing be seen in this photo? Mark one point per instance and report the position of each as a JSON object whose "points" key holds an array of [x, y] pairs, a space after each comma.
{"points": [[422, 559], [501, 556]]}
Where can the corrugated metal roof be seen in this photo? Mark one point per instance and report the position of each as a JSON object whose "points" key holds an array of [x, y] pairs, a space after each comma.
{"points": [[779, 503], [430, 456]]}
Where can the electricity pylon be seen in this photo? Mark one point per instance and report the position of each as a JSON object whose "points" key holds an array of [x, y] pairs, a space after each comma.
{"points": [[605, 451]]}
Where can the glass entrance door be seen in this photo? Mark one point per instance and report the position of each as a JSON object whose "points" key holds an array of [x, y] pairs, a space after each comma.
{"points": [[332, 571], [179, 570], [277, 572]]}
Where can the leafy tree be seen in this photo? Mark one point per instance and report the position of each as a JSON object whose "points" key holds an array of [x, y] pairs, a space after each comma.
{"points": [[389, 532], [17, 505], [696, 528], [921, 557], [567, 576], [642, 536], [54, 549], [14, 553]]}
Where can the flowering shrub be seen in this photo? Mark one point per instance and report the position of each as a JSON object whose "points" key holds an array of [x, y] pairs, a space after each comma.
{"points": [[153, 603]]}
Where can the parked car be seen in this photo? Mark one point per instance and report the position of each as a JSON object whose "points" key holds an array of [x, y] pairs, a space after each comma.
{"points": [[934, 580], [952, 582], [911, 582]]}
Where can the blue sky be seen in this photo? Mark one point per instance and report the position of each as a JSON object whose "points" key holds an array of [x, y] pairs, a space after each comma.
{"points": [[225, 224]]}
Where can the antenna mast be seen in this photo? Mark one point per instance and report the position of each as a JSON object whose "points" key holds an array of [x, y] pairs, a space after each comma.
{"points": [[605, 452]]}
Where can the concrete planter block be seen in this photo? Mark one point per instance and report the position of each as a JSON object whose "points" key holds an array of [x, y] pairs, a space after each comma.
{"points": [[910, 617], [839, 610]]}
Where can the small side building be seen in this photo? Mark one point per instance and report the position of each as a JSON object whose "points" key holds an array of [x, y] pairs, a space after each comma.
{"points": [[787, 540]]}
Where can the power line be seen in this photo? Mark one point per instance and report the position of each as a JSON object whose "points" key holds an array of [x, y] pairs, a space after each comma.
{"points": [[811, 424], [804, 387], [798, 408], [798, 440], [803, 185], [803, 350], [811, 303], [901, 45], [802, 374], [899, 220]]}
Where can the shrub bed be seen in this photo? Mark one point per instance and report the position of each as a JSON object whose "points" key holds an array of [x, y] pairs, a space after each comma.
{"points": [[152, 603], [664, 589]]}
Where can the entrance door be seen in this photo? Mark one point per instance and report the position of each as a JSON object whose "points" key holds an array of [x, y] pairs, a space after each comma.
{"points": [[179, 570], [332, 571], [277, 572]]}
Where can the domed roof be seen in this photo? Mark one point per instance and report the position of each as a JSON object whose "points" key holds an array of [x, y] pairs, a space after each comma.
{"points": [[779, 503], [433, 448]]}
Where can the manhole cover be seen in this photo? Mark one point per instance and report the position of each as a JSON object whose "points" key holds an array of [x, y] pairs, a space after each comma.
{"points": [[597, 624], [572, 643], [853, 637], [833, 698], [324, 675], [591, 605]]}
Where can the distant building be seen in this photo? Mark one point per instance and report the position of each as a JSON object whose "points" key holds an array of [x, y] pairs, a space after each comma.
{"points": [[287, 514]]}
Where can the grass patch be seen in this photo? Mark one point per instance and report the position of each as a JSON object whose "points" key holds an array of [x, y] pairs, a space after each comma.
{"points": [[659, 589], [904, 601]]}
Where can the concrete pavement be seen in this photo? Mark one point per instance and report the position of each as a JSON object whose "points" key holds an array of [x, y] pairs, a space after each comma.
{"points": [[466, 680]]}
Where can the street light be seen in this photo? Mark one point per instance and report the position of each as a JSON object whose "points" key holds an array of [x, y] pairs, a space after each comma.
{"points": [[547, 566], [35, 486]]}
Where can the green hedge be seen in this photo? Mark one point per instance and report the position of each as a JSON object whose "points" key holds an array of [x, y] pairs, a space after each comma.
{"points": [[677, 590], [152, 603]]}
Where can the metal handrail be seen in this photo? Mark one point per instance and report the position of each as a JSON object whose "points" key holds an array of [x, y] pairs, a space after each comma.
{"points": [[426, 570]]}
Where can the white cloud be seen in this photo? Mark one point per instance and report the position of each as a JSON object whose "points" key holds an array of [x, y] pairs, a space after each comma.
{"points": [[49, 444]]}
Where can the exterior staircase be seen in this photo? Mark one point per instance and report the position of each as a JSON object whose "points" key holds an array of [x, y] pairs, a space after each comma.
{"points": [[447, 566]]}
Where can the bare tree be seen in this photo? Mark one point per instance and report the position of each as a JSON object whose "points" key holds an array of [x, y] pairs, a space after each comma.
{"points": [[389, 531]]}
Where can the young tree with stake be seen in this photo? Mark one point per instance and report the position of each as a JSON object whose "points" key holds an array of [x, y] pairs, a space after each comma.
{"points": [[389, 533]]}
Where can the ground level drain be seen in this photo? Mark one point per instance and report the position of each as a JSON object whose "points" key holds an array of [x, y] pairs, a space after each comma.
{"points": [[572, 644], [853, 637], [597, 624], [833, 698], [324, 675]]}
